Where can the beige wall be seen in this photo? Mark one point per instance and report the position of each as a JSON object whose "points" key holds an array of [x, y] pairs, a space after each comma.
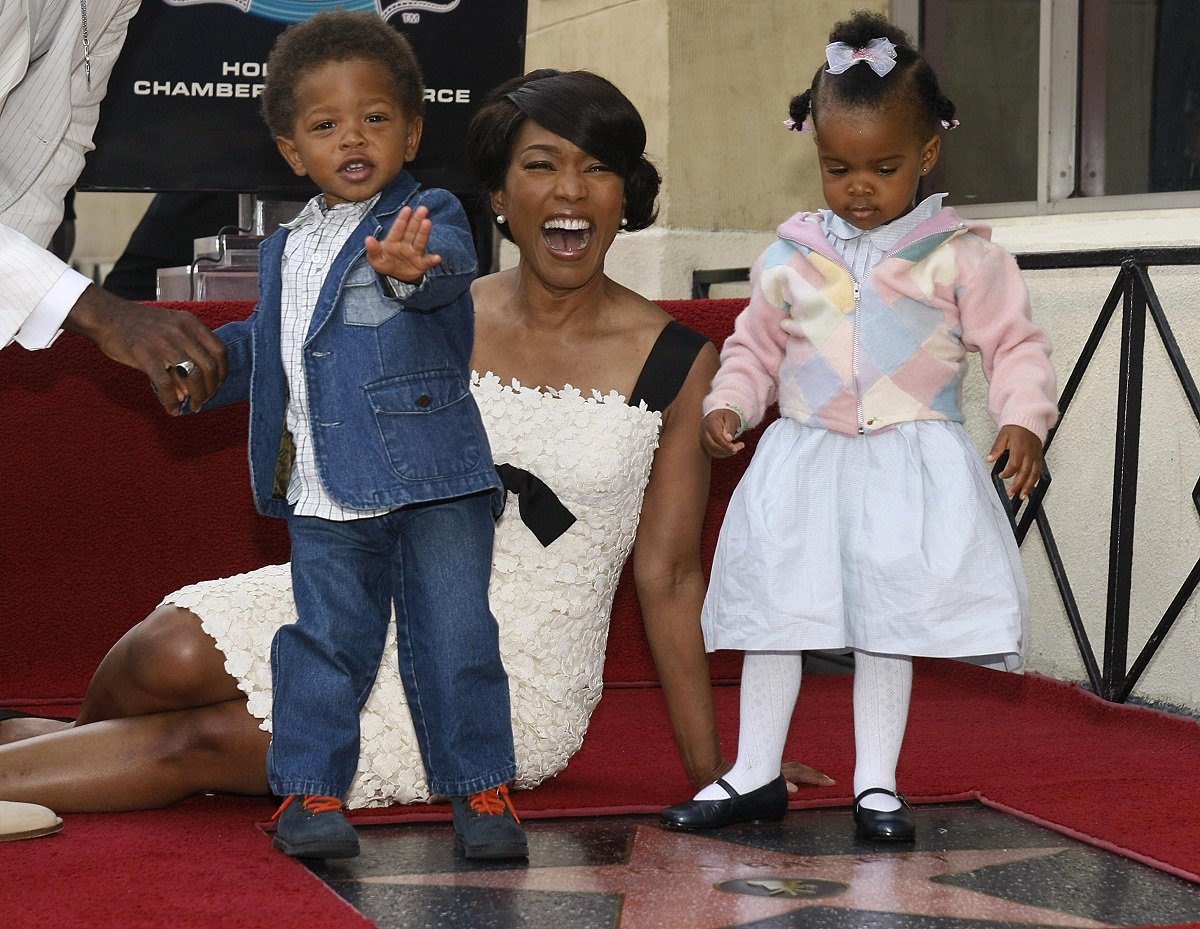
{"points": [[734, 68], [103, 224], [713, 79], [627, 42]]}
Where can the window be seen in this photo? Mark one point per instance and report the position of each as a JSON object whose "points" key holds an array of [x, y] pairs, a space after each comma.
{"points": [[1066, 105]]}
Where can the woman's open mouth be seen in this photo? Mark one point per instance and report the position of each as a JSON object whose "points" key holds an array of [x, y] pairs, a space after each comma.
{"points": [[567, 236]]}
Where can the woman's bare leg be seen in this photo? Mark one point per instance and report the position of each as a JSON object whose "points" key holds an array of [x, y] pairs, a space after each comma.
{"points": [[161, 720], [165, 662], [14, 730], [139, 762]]}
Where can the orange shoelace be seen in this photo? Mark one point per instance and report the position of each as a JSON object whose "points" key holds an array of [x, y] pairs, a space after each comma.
{"points": [[314, 803], [493, 802]]}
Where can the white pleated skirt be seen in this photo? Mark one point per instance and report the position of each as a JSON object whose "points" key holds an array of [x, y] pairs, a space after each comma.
{"points": [[895, 542]]}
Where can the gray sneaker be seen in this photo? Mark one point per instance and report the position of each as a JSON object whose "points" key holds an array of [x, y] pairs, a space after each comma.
{"points": [[486, 826], [314, 827]]}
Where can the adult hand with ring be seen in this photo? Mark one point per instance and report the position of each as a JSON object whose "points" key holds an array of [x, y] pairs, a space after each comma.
{"points": [[160, 342]]}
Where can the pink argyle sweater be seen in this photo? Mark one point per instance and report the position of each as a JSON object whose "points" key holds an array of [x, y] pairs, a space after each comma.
{"points": [[856, 358]]}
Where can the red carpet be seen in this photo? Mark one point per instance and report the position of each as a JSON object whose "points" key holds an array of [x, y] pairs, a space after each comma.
{"points": [[1046, 751], [116, 505]]}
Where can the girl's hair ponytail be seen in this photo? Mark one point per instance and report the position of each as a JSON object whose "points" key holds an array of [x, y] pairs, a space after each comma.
{"points": [[911, 81]]}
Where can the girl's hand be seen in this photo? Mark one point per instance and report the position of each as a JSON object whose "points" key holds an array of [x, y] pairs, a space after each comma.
{"points": [[1024, 459], [717, 432], [401, 253]]}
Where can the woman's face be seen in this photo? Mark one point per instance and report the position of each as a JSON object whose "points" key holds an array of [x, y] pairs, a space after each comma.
{"points": [[563, 207]]}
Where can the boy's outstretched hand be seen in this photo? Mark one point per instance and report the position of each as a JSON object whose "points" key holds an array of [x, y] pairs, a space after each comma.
{"points": [[401, 253], [718, 431], [1024, 459]]}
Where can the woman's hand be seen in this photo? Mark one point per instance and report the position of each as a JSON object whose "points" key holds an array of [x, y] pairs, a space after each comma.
{"points": [[796, 774], [401, 253], [1025, 462], [718, 432], [800, 775]]}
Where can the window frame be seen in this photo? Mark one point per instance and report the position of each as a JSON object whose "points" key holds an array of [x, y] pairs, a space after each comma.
{"points": [[1059, 55]]}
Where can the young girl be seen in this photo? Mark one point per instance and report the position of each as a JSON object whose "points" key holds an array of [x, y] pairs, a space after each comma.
{"points": [[866, 519]]}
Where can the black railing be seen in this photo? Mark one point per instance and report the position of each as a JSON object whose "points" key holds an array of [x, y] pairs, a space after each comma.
{"points": [[1134, 292], [702, 281], [1113, 678]]}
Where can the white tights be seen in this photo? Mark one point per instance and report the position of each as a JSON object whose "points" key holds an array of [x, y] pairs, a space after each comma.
{"points": [[770, 687], [882, 688]]}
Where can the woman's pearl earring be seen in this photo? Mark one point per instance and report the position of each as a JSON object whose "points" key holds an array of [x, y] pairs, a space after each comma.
{"points": [[500, 219], [624, 222]]}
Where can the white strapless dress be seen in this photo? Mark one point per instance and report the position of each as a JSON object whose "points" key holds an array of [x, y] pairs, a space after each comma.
{"points": [[552, 604]]}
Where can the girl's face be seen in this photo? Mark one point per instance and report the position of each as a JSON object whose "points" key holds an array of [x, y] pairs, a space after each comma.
{"points": [[871, 162], [562, 205], [352, 136]]}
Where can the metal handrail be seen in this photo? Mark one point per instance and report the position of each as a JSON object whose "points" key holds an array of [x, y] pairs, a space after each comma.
{"points": [[1134, 291]]}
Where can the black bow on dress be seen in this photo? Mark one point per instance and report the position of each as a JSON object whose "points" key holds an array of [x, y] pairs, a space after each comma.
{"points": [[539, 508]]}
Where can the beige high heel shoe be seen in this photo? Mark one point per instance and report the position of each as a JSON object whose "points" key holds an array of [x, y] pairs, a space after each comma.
{"points": [[26, 821]]}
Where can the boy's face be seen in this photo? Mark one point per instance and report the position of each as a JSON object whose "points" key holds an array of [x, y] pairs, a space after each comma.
{"points": [[351, 135]]}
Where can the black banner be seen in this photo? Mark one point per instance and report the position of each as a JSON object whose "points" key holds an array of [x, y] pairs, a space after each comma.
{"points": [[182, 110]]}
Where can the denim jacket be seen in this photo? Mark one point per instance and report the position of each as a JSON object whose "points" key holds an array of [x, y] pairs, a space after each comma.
{"points": [[394, 422]]}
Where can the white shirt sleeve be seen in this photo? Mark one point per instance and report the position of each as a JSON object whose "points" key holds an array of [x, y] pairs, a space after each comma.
{"points": [[44, 324], [42, 78]]}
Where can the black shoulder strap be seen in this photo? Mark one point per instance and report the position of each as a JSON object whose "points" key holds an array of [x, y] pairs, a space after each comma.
{"points": [[667, 366]]}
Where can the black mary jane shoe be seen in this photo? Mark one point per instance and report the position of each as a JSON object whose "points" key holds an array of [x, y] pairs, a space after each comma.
{"points": [[884, 825], [763, 804]]}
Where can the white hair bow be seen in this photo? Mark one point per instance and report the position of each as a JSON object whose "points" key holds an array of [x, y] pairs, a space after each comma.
{"points": [[880, 54]]}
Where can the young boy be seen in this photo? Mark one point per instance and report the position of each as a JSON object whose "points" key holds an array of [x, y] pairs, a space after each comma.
{"points": [[365, 437]]}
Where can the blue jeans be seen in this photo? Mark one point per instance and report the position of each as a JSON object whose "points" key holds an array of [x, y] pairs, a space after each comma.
{"points": [[432, 563]]}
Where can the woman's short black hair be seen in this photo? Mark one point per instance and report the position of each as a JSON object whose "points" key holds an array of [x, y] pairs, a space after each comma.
{"points": [[912, 81], [585, 109], [337, 35]]}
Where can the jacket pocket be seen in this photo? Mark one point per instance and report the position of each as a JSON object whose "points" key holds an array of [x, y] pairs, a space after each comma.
{"points": [[365, 299], [429, 424]]}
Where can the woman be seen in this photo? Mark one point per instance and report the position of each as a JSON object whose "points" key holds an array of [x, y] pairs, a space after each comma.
{"points": [[583, 384]]}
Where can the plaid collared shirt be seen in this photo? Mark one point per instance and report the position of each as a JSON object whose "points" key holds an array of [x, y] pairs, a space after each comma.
{"points": [[863, 249], [316, 236]]}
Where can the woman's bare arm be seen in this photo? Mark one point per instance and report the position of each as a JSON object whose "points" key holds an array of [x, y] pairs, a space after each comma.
{"points": [[670, 576]]}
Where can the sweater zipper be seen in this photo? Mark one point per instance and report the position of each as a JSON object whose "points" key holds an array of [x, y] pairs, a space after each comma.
{"points": [[858, 393], [858, 402]]}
